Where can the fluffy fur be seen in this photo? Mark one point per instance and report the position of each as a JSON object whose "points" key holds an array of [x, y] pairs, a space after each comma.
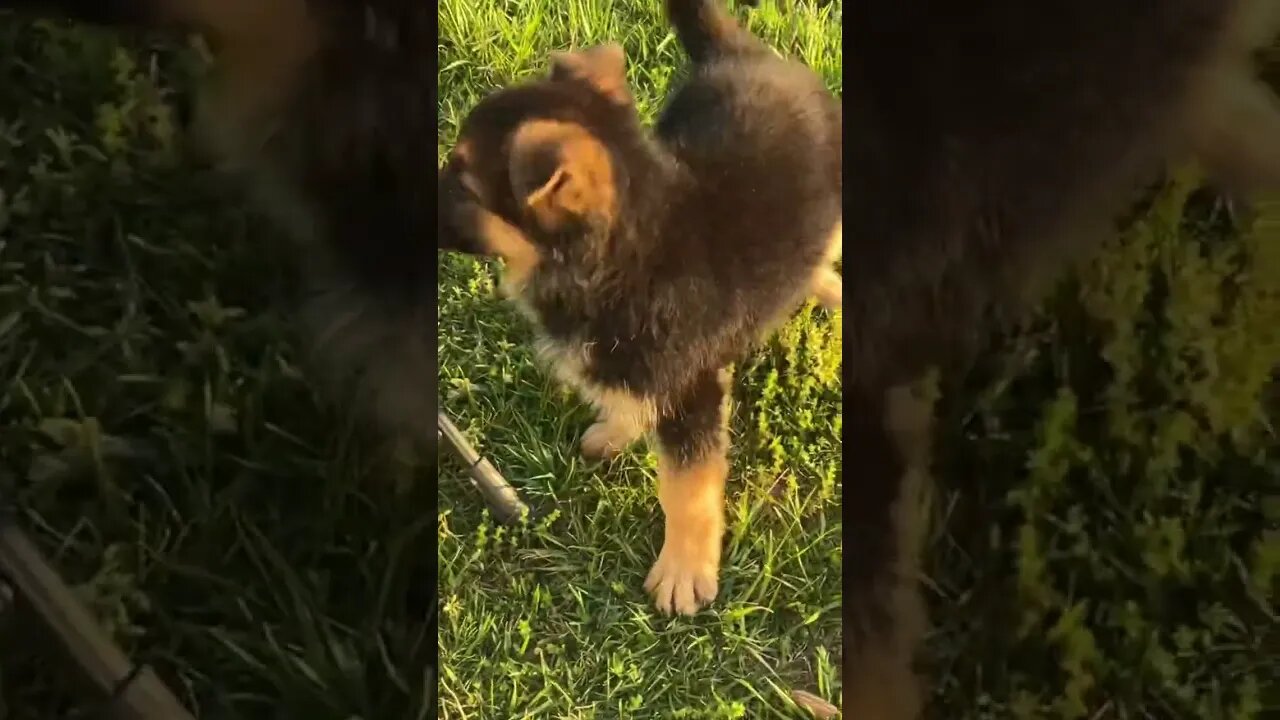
{"points": [[327, 106], [649, 262], [989, 142]]}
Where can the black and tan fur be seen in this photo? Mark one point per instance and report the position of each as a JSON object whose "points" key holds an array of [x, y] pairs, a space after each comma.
{"points": [[328, 108], [651, 261], [990, 142]]}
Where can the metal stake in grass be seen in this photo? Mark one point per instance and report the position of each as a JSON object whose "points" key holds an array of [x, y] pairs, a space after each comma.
{"points": [[502, 499], [128, 691]]}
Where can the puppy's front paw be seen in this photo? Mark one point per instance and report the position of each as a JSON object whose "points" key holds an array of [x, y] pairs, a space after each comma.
{"points": [[604, 440], [685, 577]]}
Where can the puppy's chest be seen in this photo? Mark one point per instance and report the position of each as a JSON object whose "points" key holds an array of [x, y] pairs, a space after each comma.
{"points": [[585, 337], [559, 304]]}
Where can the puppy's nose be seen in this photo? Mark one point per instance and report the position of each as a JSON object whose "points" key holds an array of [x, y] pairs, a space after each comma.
{"points": [[451, 194]]}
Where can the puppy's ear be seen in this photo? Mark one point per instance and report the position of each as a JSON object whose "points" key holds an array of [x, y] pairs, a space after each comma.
{"points": [[561, 173], [603, 67]]}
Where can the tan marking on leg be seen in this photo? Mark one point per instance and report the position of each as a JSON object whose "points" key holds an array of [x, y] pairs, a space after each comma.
{"points": [[826, 285], [828, 288], [685, 576], [621, 420], [835, 243], [621, 417]]}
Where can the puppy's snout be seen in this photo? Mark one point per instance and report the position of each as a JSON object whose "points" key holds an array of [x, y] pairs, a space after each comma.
{"points": [[455, 210], [447, 199]]}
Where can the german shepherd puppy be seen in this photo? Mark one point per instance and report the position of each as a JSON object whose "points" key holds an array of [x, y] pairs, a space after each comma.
{"points": [[650, 262], [990, 141], [329, 107]]}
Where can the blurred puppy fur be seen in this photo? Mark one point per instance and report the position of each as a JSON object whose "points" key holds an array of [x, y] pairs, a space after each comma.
{"points": [[328, 107], [649, 262], [990, 142]]}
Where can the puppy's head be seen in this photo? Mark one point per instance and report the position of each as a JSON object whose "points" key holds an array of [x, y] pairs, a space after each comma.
{"points": [[540, 158]]}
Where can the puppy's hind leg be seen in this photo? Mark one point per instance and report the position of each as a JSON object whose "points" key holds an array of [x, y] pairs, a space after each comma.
{"points": [[827, 285], [828, 288]]}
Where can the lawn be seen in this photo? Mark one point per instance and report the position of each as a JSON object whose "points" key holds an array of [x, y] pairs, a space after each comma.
{"points": [[1106, 533]]}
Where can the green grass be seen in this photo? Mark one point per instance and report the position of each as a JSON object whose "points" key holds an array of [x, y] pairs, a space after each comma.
{"points": [[1105, 543]]}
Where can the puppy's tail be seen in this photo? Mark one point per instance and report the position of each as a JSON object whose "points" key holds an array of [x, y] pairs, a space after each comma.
{"points": [[706, 30]]}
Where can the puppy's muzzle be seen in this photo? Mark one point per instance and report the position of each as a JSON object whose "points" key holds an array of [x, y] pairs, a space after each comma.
{"points": [[456, 207]]}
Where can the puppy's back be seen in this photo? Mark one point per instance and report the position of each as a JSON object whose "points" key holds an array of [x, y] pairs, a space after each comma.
{"points": [[741, 97], [760, 136]]}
